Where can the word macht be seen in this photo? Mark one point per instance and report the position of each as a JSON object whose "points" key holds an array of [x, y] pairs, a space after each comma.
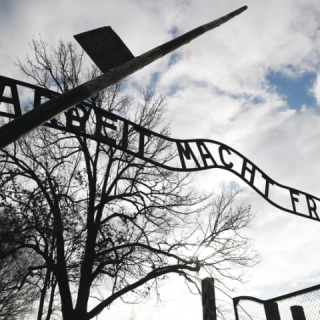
{"points": [[108, 128]]}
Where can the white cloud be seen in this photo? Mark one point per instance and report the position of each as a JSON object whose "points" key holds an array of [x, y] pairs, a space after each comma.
{"points": [[315, 90]]}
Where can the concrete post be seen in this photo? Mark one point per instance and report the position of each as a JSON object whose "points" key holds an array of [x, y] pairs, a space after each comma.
{"points": [[272, 311], [297, 313], [208, 299]]}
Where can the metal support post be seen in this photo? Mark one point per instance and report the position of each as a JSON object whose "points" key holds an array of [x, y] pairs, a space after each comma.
{"points": [[272, 311], [208, 299], [297, 313]]}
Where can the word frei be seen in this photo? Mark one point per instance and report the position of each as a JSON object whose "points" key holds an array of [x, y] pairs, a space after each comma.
{"points": [[193, 154]]}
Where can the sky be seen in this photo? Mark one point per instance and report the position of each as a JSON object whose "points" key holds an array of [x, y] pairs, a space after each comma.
{"points": [[253, 84]]}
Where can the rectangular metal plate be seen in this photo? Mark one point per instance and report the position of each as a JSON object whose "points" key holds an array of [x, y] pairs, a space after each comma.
{"points": [[104, 47]]}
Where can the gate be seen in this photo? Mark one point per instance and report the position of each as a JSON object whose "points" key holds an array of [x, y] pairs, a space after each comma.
{"points": [[299, 305]]}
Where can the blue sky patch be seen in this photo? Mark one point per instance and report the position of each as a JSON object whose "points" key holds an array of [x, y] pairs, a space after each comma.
{"points": [[256, 100], [5, 7], [174, 57], [295, 90], [233, 185], [174, 31], [154, 79]]}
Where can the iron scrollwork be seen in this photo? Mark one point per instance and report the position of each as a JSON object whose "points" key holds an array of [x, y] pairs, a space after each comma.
{"points": [[193, 154]]}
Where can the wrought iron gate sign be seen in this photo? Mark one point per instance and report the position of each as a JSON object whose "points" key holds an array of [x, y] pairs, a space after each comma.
{"points": [[194, 154]]}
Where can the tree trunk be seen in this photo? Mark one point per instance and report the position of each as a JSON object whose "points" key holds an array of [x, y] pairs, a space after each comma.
{"points": [[53, 288], [43, 295]]}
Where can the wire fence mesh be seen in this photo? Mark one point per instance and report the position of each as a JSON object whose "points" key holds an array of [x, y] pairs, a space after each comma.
{"points": [[300, 305]]}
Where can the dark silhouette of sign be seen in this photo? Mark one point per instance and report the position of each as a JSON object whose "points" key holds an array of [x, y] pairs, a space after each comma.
{"points": [[193, 154], [104, 47]]}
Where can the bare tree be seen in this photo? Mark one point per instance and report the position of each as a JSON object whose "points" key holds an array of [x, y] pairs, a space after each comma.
{"points": [[16, 296], [104, 224]]}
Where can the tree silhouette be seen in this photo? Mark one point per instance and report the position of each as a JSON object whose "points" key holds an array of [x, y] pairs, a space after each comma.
{"points": [[98, 222]]}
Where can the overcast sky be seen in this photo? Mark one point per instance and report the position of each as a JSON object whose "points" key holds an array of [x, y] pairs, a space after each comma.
{"points": [[253, 84]]}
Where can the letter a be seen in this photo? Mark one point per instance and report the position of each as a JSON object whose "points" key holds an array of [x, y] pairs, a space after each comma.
{"points": [[14, 100], [205, 155]]}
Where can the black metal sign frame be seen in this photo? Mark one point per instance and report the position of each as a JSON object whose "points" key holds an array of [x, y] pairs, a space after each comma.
{"points": [[194, 154], [104, 47]]}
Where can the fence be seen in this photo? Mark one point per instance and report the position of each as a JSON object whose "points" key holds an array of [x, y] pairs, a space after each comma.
{"points": [[299, 305]]}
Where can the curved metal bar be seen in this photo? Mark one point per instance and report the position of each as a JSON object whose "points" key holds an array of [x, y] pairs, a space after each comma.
{"points": [[193, 154], [278, 298]]}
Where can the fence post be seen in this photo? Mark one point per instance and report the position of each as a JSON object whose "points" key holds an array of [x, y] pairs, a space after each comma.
{"points": [[208, 299], [235, 304], [297, 313], [272, 311]]}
